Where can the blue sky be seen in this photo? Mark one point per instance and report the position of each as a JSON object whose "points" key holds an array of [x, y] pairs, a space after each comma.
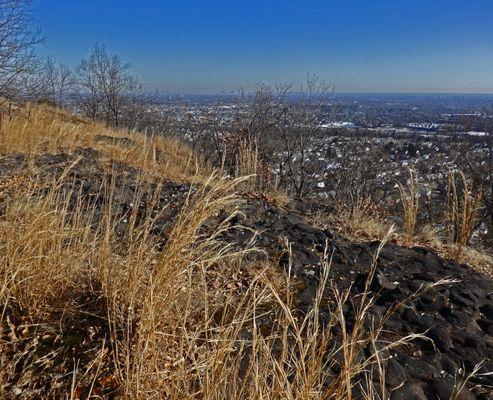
{"points": [[217, 45]]}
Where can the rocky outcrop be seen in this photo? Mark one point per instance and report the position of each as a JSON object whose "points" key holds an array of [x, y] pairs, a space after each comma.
{"points": [[456, 317]]}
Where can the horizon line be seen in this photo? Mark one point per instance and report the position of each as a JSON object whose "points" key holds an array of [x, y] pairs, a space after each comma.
{"points": [[232, 92]]}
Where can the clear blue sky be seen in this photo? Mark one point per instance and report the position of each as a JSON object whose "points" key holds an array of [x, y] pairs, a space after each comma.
{"points": [[205, 46]]}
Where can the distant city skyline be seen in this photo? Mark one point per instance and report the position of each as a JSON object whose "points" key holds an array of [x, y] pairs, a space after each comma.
{"points": [[205, 47]]}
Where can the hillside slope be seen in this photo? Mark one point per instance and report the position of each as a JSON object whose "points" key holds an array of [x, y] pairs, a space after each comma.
{"points": [[127, 274]]}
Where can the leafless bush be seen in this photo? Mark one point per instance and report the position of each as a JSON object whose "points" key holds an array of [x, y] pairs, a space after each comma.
{"points": [[284, 122], [299, 132]]}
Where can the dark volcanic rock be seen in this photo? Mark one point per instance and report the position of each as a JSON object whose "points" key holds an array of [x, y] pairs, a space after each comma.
{"points": [[395, 374], [455, 316], [408, 391], [444, 389]]}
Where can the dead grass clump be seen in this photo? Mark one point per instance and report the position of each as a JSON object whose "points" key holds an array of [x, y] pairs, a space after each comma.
{"points": [[410, 205], [463, 203], [479, 260], [247, 164], [53, 319], [428, 235], [362, 221], [40, 253]]}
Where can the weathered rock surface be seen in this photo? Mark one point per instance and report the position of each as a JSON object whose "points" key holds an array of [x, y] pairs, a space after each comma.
{"points": [[457, 317]]}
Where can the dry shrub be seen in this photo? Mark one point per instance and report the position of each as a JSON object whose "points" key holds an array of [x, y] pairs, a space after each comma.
{"points": [[362, 221], [410, 205], [463, 203]]}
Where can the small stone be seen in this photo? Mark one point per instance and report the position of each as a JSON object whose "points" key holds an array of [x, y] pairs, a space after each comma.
{"points": [[441, 338], [385, 282], [444, 388], [394, 373]]}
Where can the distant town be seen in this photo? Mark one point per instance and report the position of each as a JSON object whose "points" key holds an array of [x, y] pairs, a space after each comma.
{"points": [[431, 134]]}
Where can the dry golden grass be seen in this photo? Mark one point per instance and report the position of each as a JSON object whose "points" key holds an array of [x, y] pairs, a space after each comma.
{"points": [[248, 164], [463, 204], [363, 221], [410, 205], [44, 129], [479, 260], [261, 182], [44, 267]]}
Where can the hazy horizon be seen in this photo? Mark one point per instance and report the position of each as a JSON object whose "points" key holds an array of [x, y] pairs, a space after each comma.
{"points": [[193, 47], [339, 93]]}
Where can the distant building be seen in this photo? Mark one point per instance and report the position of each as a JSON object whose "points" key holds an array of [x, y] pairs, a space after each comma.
{"points": [[335, 125], [474, 133], [427, 127]]}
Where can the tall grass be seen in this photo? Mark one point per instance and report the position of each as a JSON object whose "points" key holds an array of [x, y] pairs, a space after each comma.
{"points": [[192, 319], [248, 164], [410, 205], [360, 221], [44, 278], [463, 203]]}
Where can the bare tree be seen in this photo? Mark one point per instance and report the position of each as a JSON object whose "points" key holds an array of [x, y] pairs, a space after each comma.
{"points": [[300, 132], [59, 82], [251, 122], [89, 98], [107, 91], [350, 181], [31, 86], [281, 125], [103, 82], [138, 109], [17, 41]]}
